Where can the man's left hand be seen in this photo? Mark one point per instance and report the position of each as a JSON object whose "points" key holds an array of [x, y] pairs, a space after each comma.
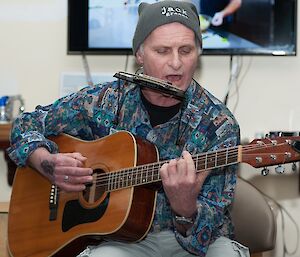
{"points": [[182, 184]]}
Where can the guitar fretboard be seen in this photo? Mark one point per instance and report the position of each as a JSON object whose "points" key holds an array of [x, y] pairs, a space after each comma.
{"points": [[149, 173]]}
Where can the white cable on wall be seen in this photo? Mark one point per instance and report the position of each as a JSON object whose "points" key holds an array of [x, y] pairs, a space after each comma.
{"points": [[86, 68], [235, 79]]}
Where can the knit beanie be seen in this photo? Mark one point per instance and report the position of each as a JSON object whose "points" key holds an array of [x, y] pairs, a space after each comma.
{"points": [[154, 15]]}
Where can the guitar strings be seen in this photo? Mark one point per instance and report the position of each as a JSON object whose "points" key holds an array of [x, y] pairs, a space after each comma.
{"points": [[141, 173], [119, 178]]}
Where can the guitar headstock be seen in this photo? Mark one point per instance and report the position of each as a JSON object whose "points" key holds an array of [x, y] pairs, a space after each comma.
{"points": [[271, 151]]}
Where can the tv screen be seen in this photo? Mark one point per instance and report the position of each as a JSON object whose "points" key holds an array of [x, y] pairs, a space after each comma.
{"points": [[257, 27]]}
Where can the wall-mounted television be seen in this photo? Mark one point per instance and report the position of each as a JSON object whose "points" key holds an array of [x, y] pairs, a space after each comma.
{"points": [[258, 27]]}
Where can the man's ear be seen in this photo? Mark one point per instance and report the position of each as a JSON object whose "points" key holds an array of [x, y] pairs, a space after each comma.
{"points": [[139, 57]]}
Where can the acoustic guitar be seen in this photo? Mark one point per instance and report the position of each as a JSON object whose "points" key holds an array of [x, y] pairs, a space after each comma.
{"points": [[120, 202]]}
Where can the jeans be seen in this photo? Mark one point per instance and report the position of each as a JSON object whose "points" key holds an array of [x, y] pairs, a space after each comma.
{"points": [[163, 244]]}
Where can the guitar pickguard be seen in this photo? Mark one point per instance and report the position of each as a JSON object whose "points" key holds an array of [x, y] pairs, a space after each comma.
{"points": [[74, 214]]}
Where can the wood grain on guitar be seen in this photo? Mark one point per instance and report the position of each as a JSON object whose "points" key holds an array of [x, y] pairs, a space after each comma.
{"points": [[120, 203]]}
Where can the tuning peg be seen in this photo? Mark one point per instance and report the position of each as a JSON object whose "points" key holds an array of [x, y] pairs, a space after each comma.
{"points": [[265, 171], [279, 169]]}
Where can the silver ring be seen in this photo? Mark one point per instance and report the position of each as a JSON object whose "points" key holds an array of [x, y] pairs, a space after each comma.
{"points": [[66, 178]]}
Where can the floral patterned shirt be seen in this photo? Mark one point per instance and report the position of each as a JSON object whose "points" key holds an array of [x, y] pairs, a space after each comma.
{"points": [[203, 124]]}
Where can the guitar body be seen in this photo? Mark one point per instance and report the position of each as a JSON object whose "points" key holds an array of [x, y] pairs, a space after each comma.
{"points": [[86, 217]]}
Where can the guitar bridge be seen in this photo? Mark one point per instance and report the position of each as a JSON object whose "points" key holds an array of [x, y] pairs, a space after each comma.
{"points": [[53, 202]]}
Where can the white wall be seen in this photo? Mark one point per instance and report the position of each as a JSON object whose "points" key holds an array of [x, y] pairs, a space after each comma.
{"points": [[33, 56]]}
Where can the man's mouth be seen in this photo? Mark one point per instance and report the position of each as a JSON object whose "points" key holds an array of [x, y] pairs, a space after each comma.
{"points": [[173, 78]]}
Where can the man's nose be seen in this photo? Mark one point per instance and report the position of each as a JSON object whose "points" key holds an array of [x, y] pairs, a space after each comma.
{"points": [[175, 61]]}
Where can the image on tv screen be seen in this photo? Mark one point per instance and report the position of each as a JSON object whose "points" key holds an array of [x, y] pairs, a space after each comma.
{"points": [[256, 26]]}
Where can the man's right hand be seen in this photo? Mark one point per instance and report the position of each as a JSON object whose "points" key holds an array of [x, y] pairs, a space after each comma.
{"points": [[66, 170]]}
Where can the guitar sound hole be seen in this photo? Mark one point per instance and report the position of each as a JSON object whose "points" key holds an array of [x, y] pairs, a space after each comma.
{"points": [[95, 190]]}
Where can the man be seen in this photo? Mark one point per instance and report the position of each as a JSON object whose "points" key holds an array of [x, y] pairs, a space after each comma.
{"points": [[191, 216]]}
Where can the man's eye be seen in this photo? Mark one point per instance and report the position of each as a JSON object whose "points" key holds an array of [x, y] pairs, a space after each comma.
{"points": [[185, 50], [161, 50]]}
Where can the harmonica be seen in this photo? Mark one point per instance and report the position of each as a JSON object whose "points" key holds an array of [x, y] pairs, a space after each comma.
{"points": [[143, 80]]}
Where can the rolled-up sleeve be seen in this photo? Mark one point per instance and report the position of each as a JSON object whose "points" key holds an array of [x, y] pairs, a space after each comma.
{"points": [[30, 130]]}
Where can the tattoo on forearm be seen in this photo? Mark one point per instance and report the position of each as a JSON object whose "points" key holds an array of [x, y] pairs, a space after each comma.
{"points": [[48, 167]]}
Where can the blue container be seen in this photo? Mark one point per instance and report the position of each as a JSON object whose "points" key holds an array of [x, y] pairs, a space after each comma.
{"points": [[3, 100], [3, 115]]}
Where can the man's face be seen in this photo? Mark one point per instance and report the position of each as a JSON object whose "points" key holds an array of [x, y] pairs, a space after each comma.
{"points": [[170, 53]]}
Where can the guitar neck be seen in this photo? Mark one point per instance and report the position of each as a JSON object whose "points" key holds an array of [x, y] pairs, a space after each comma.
{"points": [[259, 153], [149, 173]]}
